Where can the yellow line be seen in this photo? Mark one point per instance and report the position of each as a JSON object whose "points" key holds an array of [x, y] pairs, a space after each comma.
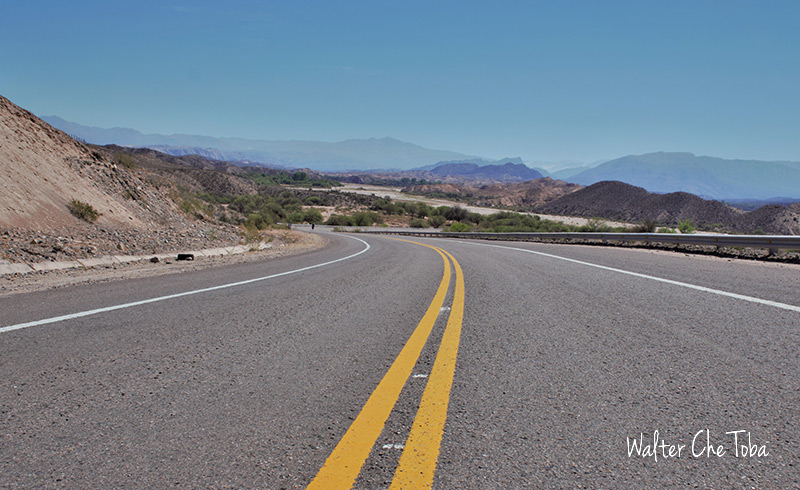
{"points": [[418, 461], [344, 464]]}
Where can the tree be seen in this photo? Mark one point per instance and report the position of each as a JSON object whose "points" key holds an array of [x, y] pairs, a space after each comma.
{"points": [[437, 220], [312, 216]]}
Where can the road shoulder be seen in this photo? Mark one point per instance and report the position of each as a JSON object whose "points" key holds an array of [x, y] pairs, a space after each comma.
{"points": [[289, 243]]}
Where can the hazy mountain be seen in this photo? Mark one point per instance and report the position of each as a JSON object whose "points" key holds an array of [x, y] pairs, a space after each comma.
{"points": [[562, 169], [478, 162], [507, 170], [542, 171], [710, 177], [566, 173], [354, 154]]}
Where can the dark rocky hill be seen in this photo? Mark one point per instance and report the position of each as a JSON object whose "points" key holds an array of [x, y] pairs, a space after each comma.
{"points": [[620, 201], [523, 196]]}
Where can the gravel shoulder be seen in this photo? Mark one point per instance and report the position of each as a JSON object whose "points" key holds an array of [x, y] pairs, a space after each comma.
{"points": [[284, 243]]}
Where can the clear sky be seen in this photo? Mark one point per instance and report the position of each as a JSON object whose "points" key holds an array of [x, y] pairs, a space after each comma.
{"points": [[544, 80]]}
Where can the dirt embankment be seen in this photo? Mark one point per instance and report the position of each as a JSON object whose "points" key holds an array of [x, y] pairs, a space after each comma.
{"points": [[42, 170], [282, 243]]}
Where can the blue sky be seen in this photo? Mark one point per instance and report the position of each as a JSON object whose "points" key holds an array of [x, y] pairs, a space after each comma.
{"points": [[544, 80]]}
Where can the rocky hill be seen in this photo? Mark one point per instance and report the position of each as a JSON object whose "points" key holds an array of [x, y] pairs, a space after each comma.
{"points": [[620, 201], [519, 195], [192, 172], [42, 170]]}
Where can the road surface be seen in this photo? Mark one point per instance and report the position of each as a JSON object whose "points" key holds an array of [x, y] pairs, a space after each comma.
{"points": [[361, 365]]}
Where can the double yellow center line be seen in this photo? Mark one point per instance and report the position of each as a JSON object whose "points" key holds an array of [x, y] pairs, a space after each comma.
{"points": [[418, 461]]}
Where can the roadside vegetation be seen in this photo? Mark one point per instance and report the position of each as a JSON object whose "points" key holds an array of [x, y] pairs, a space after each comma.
{"points": [[257, 198], [295, 178], [83, 210]]}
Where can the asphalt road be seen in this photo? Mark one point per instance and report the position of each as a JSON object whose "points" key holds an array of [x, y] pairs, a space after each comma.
{"points": [[561, 364]]}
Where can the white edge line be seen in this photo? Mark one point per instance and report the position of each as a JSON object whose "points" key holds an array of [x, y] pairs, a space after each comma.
{"points": [[654, 278], [81, 314]]}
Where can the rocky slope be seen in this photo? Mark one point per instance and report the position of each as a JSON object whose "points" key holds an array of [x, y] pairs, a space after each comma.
{"points": [[519, 195], [42, 170]]}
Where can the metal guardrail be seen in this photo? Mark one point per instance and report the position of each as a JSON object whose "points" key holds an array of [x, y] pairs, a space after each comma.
{"points": [[771, 242]]}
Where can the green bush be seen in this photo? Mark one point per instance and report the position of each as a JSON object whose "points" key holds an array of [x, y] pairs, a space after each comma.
{"points": [[295, 217], [456, 213], [259, 221], [686, 226], [459, 227], [83, 210], [313, 216], [124, 160], [437, 220], [339, 220], [418, 223], [646, 226], [510, 222], [595, 225], [366, 218]]}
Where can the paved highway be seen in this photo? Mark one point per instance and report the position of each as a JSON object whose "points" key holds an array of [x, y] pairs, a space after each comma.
{"points": [[379, 363]]}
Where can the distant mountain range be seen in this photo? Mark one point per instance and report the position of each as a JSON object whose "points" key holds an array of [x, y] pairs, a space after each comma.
{"points": [[354, 154], [708, 177]]}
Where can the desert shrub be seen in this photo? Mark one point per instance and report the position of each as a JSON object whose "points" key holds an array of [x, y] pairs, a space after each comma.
{"points": [[124, 160], [595, 225], [366, 218], [339, 220], [385, 205], [437, 220], [460, 227], [295, 217], [475, 218], [456, 213], [510, 222], [289, 200], [251, 235], [439, 211], [83, 210], [418, 223], [312, 215], [646, 226], [418, 209], [258, 221], [686, 226]]}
